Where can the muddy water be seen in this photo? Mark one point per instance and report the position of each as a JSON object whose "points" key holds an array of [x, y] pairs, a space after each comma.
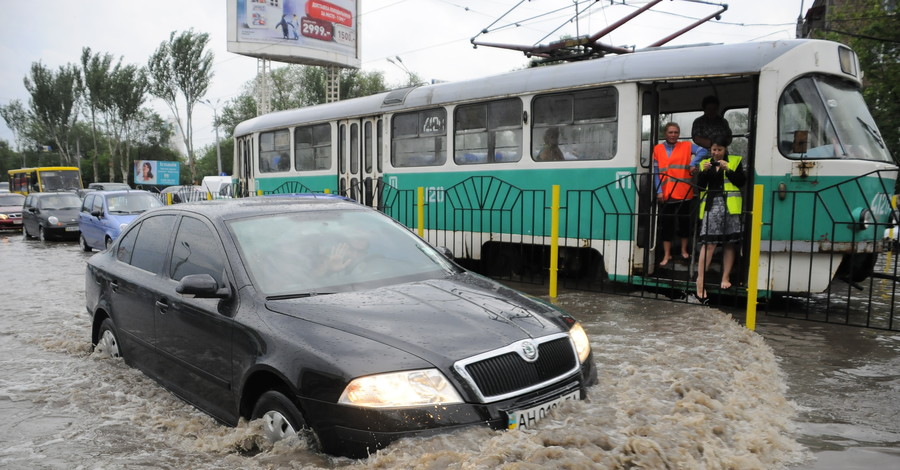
{"points": [[683, 387]]}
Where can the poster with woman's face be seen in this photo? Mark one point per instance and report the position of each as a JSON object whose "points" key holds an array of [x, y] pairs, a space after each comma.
{"points": [[145, 172]]}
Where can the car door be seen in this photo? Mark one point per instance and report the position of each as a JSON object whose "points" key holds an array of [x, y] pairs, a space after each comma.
{"points": [[194, 335], [138, 288], [28, 217], [89, 225]]}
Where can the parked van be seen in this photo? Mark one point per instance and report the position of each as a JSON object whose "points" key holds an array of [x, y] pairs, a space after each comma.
{"points": [[217, 186]]}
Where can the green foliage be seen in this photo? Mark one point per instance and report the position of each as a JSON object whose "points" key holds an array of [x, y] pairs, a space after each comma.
{"points": [[54, 103], [870, 29]]}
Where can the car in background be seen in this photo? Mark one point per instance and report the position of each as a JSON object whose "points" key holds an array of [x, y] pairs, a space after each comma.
{"points": [[328, 318], [51, 215], [108, 186], [11, 211], [183, 193], [104, 214], [4, 187]]}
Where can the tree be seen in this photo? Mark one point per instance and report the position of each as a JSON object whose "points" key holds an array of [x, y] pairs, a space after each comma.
{"points": [[182, 66], [870, 29], [18, 120], [128, 90], [96, 70], [55, 103]]}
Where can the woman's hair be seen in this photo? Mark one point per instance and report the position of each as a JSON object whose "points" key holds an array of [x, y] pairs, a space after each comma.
{"points": [[149, 169], [721, 141]]}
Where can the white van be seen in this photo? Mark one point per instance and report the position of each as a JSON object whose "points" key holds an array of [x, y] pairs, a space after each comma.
{"points": [[218, 186]]}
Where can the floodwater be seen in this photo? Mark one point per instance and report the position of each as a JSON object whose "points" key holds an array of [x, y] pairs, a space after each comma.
{"points": [[681, 386]]}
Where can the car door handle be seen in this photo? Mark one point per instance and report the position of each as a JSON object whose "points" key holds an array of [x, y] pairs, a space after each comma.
{"points": [[162, 305], [114, 286]]}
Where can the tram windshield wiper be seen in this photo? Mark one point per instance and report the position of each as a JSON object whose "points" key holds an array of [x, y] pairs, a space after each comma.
{"points": [[872, 131]]}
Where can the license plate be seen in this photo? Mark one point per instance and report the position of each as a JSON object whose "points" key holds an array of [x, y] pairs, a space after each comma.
{"points": [[17, 222], [72, 228], [525, 419]]}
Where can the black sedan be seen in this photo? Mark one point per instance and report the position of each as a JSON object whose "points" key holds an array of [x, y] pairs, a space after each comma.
{"points": [[325, 317]]}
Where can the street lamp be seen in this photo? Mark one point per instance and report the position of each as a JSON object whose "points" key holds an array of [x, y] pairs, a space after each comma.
{"points": [[216, 126]]}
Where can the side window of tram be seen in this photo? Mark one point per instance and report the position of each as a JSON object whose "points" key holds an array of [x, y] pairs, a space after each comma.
{"points": [[580, 125], [488, 132], [312, 147], [274, 151], [419, 138]]}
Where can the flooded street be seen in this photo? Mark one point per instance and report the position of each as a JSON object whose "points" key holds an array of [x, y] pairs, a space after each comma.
{"points": [[680, 386]]}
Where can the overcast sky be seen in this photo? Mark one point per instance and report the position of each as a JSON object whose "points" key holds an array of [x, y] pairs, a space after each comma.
{"points": [[432, 37]]}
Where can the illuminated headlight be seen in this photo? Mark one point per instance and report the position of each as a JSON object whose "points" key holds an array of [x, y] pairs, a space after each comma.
{"points": [[122, 226], [864, 218], [582, 344], [4, 217], [399, 389], [53, 220]]}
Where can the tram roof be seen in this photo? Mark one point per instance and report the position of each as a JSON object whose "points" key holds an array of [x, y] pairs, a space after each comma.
{"points": [[647, 64]]}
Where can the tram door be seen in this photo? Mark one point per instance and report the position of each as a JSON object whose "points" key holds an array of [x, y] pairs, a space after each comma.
{"points": [[645, 240], [243, 170], [360, 154]]}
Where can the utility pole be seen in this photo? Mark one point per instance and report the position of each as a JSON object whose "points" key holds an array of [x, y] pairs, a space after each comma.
{"points": [[216, 127]]}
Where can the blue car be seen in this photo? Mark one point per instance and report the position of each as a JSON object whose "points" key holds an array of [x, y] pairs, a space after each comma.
{"points": [[104, 214]]}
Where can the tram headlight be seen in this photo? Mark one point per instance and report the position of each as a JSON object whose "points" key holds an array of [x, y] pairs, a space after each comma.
{"points": [[863, 217]]}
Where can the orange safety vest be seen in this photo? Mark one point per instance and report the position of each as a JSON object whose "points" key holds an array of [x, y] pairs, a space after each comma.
{"points": [[675, 171]]}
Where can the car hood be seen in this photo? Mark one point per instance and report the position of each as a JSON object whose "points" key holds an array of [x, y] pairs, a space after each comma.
{"points": [[64, 215], [439, 320], [7, 209]]}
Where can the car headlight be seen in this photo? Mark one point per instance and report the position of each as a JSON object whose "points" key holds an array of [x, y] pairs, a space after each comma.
{"points": [[398, 389], [582, 343], [53, 220], [122, 227], [4, 217]]}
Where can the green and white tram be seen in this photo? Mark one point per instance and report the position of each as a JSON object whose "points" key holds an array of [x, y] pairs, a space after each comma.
{"points": [[795, 109]]}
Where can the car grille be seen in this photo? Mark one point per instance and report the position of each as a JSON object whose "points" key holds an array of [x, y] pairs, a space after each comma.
{"points": [[505, 372]]}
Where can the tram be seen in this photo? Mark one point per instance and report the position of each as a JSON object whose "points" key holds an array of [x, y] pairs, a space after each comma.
{"points": [[794, 107]]}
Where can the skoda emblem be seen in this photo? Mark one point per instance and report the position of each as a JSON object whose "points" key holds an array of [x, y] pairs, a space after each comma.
{"points": [[529, 351]]}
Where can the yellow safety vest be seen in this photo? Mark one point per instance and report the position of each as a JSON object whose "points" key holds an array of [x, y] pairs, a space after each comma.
{"points": [[733, 199]]}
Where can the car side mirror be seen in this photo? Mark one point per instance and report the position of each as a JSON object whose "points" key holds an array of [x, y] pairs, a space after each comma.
{"points": [[201, 286], [96, 214], [445, 251]]}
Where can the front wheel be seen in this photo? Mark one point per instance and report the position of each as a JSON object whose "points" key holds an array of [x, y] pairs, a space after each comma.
{"points": [[108, 342], [281, 418], [41, 235], [25, 232], [84, 245]]}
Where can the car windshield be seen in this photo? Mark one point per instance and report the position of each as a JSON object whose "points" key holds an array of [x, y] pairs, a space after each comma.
{"points": [[131, 203], [321, 252], [60, 201], [11, 199]]}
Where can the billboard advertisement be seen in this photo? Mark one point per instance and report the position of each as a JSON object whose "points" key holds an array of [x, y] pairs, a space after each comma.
{"points": [[160, 173], [314, 32]]}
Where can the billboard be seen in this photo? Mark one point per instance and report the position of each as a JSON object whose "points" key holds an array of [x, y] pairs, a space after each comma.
{"points": [[313, 32], [160, 173]]}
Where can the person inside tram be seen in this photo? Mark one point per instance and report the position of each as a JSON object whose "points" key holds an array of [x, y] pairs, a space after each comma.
{"points": [[674, 163], [551, 152], [719, 181], [710, 124]]}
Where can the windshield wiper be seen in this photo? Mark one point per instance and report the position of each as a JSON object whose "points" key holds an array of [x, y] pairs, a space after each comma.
{"points": [[872, 131], [296, 296]]}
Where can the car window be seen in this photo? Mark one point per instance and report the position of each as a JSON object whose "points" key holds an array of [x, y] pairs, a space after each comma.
{"points": [[126, 244], [196, 251], [98, 204], [86, 205], [152, 240]]}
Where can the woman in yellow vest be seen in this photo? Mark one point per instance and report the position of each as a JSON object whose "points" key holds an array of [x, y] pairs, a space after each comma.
{"points": [[720, 181]]}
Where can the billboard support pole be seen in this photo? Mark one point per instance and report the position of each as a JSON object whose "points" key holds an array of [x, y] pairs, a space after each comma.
{"points": [[333, 86], [263, 86]]}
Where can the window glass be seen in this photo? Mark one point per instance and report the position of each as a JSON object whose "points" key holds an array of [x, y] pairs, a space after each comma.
{"points": [[274, 151], [126, 245], [367, 147], [823, 117], [86, 204], [152, 240], [378, 145], [419, 138], [488, 132], [196, 251], [578, 125], [312, 147], [354, 148]]}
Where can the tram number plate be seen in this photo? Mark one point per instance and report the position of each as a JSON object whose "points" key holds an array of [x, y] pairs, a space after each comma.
{"points": [[525, 419]]}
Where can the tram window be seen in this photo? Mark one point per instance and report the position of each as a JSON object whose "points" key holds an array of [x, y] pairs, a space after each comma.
{"points": [[419, 138], [274, 151], [312, 146], [354, 148], [578, 125], [367, 147], [379, 144], [488, 132]]}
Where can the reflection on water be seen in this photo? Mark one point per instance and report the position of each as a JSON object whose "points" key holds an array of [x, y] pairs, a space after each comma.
{"points": [[680, 387]]}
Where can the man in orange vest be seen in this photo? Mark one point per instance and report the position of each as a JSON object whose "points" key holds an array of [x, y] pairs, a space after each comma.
{"points": [[674, 163]]}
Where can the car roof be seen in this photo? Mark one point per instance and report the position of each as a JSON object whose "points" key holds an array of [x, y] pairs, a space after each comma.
{"points": [[226, 209], [53, 193], [116, 192]]}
